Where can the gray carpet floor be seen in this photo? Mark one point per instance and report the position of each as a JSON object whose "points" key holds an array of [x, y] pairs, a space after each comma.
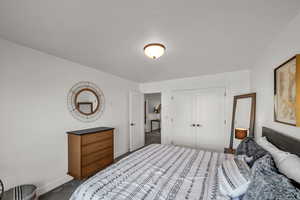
{"points": [[65, 191]]}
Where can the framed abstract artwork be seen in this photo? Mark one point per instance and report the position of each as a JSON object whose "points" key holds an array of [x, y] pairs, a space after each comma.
{"points": [[287, 92]]}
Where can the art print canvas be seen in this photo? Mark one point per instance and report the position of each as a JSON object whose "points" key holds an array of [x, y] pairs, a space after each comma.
{"points": [[286, 92]]}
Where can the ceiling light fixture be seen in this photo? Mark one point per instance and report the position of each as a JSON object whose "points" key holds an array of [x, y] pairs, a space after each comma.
{"points": [[154, 50]]}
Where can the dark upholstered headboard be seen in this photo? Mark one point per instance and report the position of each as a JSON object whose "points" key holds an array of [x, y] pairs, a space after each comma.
{"points": [[282, 141]]}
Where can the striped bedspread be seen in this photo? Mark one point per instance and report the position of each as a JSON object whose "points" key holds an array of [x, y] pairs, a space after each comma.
{"points": [[157, 172]]}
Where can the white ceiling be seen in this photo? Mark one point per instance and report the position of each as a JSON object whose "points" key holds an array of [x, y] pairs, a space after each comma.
{"points": [[201, 36]]}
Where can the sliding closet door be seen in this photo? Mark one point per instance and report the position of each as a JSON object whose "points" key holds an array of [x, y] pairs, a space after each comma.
{"points": [[183, 132], [210, 118]]}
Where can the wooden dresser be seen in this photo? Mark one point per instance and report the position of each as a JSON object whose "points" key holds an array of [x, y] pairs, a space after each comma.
{"points": [[89, 151]]}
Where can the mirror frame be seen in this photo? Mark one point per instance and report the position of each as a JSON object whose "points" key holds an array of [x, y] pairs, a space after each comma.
{"points": [[252, 115], [77, 104]]}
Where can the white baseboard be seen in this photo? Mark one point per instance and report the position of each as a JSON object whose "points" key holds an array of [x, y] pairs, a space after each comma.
{"points": [[50, 186], [60, 181]]}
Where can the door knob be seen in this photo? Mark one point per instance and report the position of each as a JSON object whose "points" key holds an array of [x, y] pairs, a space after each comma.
{"points": [[193, 125], [132, 124], [199, 125]]}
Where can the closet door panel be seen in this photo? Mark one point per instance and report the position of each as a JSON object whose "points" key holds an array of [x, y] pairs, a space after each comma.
{"points": [[183, 132], [210, 117]]}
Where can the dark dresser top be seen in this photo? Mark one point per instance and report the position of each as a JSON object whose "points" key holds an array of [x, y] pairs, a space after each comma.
{"points": [[90, 130]]}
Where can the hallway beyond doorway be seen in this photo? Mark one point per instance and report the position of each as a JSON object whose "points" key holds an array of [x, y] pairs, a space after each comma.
{"points": [[152, 118], [153, 137]]}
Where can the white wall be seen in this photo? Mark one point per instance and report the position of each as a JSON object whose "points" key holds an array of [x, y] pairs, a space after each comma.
{"points": [[285, 46], [235, 83], [34, 116]]}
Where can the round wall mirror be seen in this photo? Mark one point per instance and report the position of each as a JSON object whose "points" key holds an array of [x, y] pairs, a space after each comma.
{"points": [[86, 101]]}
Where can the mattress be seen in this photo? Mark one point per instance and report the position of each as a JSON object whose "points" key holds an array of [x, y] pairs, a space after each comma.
{"points": [[157, 172]]}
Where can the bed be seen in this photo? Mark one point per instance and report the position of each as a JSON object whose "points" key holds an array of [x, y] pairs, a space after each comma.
{"points": [[167, 172], [157, 172]]}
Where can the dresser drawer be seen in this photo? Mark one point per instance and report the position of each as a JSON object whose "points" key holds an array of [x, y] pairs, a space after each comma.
{"points": [[97, 146], [96, 166], [94, 137], [90, 158]]}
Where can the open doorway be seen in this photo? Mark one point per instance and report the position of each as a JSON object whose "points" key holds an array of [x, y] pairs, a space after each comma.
{"points": [[152, 118]]}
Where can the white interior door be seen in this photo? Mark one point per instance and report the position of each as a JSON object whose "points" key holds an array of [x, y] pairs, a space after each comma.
{"points": [[183, 132], [199, 119], [136, 125], [210, 119]]}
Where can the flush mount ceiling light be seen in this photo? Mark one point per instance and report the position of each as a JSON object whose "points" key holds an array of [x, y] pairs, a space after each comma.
{"points": [[154, 50]]}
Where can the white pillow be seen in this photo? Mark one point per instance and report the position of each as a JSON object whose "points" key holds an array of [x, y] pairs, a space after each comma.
{"points": [[276, 153], [287, 163], [234, 177], [290, 167]]}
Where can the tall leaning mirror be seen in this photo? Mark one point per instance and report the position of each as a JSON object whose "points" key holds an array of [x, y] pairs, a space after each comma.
{"points": [[243, 119]]}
